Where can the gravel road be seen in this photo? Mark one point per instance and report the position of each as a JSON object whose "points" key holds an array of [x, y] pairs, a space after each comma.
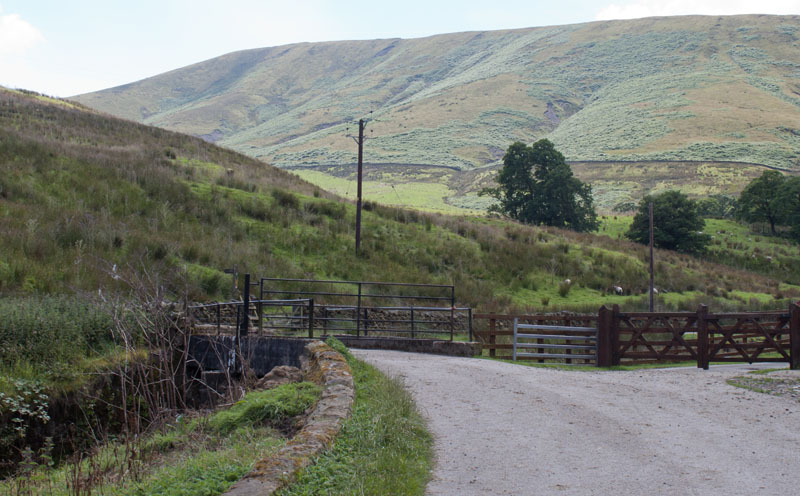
{"points": [[509, 429]]}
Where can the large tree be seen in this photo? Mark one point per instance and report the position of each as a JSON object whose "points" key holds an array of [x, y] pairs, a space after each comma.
{"points": [[536, 186], [788, 197], [759, 201], [676, 223]]}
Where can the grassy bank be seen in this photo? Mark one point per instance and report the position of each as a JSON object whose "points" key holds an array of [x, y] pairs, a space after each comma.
{"points": [[203, 455], [383, 448]]}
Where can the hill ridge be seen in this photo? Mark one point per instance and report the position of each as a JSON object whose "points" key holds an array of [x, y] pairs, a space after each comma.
{"points": [[692, 87]]}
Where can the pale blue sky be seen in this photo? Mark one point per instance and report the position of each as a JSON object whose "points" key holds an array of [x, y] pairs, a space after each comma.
{"points": [[64, 48]]}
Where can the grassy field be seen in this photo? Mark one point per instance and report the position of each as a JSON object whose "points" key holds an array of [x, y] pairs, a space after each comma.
{"points": [[745, 247], [456, 192]]}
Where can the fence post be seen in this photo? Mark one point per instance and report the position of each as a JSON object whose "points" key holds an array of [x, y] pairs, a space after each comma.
{"points": [[452, 310], [470, 323], [514, 343], [604, 337], [492, 337], [311, 318], [260, 313], [794, 337], [702, 337], [245, 324], [615, 357], [412, 323], [358, 312]]}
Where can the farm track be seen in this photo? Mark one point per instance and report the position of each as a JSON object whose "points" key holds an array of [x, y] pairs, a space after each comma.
{"points": [[509, 429]]}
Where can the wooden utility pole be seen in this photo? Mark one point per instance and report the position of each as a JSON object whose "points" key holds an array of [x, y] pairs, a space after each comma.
{"points": [[360, 142], [652, 278]]}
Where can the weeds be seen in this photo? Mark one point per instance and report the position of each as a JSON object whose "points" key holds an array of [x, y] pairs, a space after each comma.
{"points": [[199, 455]]}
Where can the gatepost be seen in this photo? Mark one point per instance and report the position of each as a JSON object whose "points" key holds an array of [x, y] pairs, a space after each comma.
{"points": [[794, 337]]}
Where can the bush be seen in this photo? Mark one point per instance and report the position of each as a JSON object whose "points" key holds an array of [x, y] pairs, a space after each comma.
{"points": [[286, 199], [47, 331]]}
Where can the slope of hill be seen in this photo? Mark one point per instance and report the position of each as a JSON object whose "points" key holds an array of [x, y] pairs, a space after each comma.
{"points": [[84, 198], [677, 88]]}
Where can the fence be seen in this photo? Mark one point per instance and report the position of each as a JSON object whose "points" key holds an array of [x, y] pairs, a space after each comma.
{"points": [[308, 317], [367, 308], [555, 342], [644, 337], [496, 333], [229, 317]]}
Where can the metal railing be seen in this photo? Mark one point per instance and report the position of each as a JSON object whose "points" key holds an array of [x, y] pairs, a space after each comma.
{"points": [[555, 342], [212, 316], [297, 317], [365, 307]]}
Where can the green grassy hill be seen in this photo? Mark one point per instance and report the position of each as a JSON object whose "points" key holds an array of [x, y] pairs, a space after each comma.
{"points": [[688, 88], [86, 199], [677, 88]]}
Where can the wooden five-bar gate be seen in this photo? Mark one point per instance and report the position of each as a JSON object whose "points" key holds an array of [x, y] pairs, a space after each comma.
{"points": [[646, 337]]}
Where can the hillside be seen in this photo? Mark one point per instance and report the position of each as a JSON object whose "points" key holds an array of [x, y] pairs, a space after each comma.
{"points": [[86, 200], [677, 88]]}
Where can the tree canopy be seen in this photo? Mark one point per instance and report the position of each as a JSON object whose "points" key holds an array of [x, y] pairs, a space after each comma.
{"points": [[789, 198], [759, 202], [676, 223], [536, 186], [772, 198]]}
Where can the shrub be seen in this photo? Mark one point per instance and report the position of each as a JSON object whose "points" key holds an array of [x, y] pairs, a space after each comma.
{"points": [[286, 199], [47, 331]]}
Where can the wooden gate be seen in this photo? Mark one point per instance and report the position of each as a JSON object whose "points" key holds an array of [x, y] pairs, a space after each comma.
{"points": [[645, 337]]}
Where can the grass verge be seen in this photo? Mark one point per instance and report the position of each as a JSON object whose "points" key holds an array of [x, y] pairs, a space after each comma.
{"points": [[384, 448]]}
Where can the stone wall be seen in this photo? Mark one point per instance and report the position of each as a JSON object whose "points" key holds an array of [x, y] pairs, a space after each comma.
{"points": [[328, 368]]}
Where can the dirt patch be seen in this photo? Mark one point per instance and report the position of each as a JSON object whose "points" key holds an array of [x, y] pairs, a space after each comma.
{"points": [[777, 383]]}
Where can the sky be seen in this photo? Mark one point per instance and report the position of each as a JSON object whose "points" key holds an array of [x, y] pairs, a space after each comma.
{"points": [[63, 48]]}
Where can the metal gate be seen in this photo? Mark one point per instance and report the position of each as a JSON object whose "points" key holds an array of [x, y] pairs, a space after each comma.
{"points": [[554, 342]]}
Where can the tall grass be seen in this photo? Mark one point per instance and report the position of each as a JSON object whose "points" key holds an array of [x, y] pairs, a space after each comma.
{"points": [[51, 333]]}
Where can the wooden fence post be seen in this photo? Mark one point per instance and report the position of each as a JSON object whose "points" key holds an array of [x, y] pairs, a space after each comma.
{"points": [[615, 358], [702, 337], [492, 337], [605, 352], [794, 337]]}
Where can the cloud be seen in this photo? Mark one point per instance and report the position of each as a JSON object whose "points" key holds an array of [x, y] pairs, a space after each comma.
{"points": [[17, 36], [648, 8]]}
